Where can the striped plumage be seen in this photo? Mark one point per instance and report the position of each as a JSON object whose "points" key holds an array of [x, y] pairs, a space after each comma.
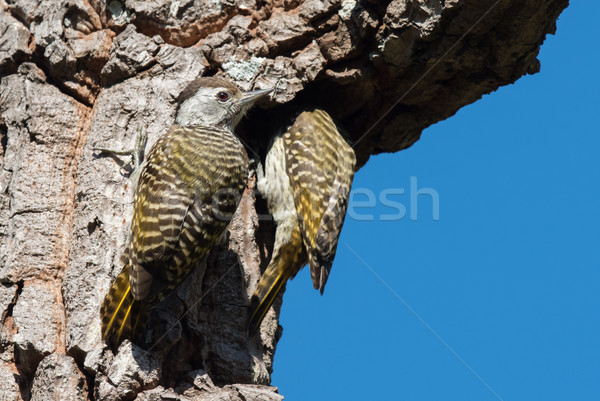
{"points": [[188, 189], [308, 175]]}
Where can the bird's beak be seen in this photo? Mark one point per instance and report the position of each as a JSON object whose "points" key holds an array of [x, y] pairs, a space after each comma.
{"points": [[250, 97]]}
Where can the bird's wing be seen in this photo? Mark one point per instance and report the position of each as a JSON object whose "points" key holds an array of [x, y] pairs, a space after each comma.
{"points": [[186, 195], [161, 204], [320, 165]]}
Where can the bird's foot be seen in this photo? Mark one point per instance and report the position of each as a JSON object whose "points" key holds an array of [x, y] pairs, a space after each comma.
{"points": [[136, 155]]}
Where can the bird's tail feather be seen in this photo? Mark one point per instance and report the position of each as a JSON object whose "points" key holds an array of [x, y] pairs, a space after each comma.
{"points": [[122, 316], [271, 283]]}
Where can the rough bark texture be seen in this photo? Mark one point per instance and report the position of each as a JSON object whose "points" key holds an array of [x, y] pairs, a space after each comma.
{"points": [[79, 74]]}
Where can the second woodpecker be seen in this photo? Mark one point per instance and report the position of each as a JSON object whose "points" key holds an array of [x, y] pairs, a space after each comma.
{"points": [[188, 189], [308, 174]]}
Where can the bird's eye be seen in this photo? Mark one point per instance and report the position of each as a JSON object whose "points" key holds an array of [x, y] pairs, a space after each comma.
{"points": [[223, 96]]}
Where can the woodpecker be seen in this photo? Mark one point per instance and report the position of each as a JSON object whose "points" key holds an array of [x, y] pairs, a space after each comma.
{"points": [[307, 179], [187, 191]]}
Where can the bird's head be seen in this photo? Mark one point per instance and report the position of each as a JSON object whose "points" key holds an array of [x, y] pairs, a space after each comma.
{"points": [[210, 101]]}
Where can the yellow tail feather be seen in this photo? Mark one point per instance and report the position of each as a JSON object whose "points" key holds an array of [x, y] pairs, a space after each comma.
{"points": [[271, 284], [119, 310]]}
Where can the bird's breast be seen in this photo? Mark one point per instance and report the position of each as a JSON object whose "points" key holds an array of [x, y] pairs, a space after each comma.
{"points": [[275, 185]]}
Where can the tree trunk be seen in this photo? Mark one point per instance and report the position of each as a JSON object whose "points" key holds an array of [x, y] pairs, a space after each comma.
{"points": [[79, 74]]}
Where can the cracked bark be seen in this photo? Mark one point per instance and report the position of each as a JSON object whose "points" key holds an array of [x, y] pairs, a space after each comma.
{"points": [[78, 74]]}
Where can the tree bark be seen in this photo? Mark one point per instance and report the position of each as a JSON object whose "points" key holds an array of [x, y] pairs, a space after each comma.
{"points": [[81, 74]]}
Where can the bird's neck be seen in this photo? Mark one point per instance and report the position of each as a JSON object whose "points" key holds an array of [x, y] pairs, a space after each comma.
{"points": [[223, 126]]}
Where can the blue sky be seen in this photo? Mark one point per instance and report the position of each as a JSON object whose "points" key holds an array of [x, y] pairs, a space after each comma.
{"points": [[500, 297]]}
